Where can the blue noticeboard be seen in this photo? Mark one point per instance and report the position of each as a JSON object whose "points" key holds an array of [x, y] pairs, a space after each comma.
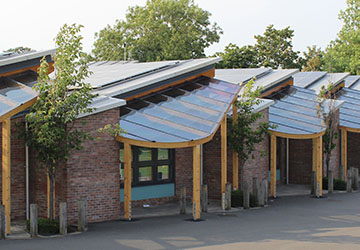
{"points": [[150, 192]]}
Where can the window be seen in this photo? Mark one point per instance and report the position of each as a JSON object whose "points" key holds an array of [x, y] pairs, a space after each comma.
{"points": [[150, 165]]}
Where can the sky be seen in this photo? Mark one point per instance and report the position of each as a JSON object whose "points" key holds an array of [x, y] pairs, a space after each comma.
{"points": [[35, 23]]}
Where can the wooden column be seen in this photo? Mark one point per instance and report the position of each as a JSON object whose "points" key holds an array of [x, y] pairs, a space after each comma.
{"points": [[223, 156], [6, 170], [273, 167], [314, 155], [319, 167], [196, 183], [127, 181], [235, 156], [344, 151]]}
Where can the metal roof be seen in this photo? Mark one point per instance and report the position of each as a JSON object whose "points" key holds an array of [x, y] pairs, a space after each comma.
{"points": [[190, 111], [11, 59], [142, 76], [315, 80]]}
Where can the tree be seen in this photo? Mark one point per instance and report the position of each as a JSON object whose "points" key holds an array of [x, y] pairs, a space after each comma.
{"points": [[327, 110], [235, 57], [247, 130], [161, 30], [343, 54], [313, 59], [19, 50], [275, 49], [51, 132]]}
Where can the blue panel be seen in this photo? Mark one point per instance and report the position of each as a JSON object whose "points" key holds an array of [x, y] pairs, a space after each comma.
{"points": [[215, 94], [204, 102], [150, 192], [15, 92], [296, 116], [297, 108], [220, 85], [295, 124]]}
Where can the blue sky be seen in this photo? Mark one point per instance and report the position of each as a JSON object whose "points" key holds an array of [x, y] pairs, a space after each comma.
{"points": [[35, 23]]}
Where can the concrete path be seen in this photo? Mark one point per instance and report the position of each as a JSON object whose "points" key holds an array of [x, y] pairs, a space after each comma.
{"points": [[288, 223]]}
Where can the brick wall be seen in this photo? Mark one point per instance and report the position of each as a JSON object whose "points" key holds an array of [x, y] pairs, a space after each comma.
{"points": [[353, 148]]}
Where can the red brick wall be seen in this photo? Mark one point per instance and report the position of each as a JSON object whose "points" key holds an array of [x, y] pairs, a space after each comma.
{"points": [[353, 147], [300, 161], [93, 172]]}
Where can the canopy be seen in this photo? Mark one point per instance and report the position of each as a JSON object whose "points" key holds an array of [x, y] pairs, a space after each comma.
{"points": [[188, 112]]}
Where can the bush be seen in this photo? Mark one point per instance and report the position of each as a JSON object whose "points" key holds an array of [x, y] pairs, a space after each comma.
{"points": [[45, 226], [338, 184], [237, 199]]}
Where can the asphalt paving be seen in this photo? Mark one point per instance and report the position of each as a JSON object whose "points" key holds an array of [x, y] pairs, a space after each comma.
{"points": [[298, 222]]}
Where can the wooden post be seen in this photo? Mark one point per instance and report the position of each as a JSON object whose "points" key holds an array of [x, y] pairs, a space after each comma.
{"points": [[261, 199], [82, 215], [355, 178], [6, 171], [319, 167], [266, 191], [273, 167], [2, 222], [63, 219], [183, 200], [330, 182], [348, 181], [314, 154], [344, 151], [235, 156], [228, 196], [204, 198], [255, 189], [313, 182], [33, 220], [246, 196], [127, 181], [196, 183]]}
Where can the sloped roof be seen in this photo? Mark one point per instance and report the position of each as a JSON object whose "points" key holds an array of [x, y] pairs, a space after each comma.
{"points": [[315, 80]]}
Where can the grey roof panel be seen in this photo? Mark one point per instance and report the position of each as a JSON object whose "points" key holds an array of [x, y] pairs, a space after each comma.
{"points": [[240, 75], [304, 79], [351, 80]]}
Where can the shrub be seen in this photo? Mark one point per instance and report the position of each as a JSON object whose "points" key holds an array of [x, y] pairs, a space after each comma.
{"points": [[338, 184], [45, 226], [237, 199]]}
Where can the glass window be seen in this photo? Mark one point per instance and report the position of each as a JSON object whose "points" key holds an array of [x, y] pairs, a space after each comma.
{"points": [[163, 172], [145, 154], [145, 174], [163, 154]]}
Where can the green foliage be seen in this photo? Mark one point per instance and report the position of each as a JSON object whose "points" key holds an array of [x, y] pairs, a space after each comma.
{"points": [[313, 59], [112, 129], [235, 57], [19, 50], [343, 54], [45, 226], [275, 49], [161, 30], [338, 184], [237, 199], [247, 131], [329, 116], [51, 131]]}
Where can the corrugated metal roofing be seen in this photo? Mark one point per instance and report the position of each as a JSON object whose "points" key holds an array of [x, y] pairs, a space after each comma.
{"points": [[304, 79], [315, 80], [190, 111]]}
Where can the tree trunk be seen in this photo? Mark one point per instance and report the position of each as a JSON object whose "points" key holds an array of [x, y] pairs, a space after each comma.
{"points": [[51, 205]]}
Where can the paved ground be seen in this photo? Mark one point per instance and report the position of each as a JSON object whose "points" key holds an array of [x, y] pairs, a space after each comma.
{"points": [[288, 223]]}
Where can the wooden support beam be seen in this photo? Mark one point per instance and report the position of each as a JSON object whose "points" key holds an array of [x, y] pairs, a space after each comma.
{"points": [[273, 166], [319, 167], [127, 181], [314, 154], [196, 183], [6, 170], [344, 151], [235, 155], [223, 156]]}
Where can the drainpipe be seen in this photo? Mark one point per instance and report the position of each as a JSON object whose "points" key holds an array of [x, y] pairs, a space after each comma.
{"points": [[27, 177], [287, 160]]}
